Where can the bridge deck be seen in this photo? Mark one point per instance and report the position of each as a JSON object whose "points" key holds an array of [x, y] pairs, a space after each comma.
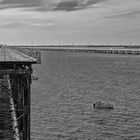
{"points": [[8, 54]]}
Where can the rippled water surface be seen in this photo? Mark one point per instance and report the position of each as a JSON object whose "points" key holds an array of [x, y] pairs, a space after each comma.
{"points": [[69, 84]]}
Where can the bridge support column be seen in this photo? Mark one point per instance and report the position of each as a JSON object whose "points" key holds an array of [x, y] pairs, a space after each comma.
{"points": [[19, 77]]}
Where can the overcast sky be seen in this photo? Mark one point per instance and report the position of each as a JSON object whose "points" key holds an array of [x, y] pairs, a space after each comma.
{"points": [[70, 21]]}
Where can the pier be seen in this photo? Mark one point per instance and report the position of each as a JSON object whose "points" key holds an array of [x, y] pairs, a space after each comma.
{"points": [[94, 50], [87, 49], [15, 82]]}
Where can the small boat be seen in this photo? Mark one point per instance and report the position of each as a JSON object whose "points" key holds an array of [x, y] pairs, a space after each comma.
{"points": [[102, 105]]}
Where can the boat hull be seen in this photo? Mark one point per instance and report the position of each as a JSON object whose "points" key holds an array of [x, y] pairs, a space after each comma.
{"points": [[103, 106]]}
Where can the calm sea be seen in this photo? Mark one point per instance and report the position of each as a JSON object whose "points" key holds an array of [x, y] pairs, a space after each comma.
{"points": [[69, 84]]}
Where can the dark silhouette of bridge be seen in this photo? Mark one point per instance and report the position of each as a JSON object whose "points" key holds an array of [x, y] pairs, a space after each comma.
{"points": [[15, 81]]}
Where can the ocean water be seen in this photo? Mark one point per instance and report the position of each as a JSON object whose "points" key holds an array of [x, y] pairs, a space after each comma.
{"points": [[69, 83]]}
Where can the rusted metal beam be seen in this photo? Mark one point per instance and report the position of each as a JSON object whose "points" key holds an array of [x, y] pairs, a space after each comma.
{"points": [[16, 71]]}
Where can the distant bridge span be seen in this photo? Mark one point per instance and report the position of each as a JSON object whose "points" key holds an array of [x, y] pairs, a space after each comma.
{"points": [[107, 50]]}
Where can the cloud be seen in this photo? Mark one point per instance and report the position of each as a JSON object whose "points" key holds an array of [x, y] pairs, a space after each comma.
{"points": [[64, 20], [19, 3], [49, 5], [123, 9], [70, 5], [129, 14], [67, 6], [15, 25], [16, 19]]}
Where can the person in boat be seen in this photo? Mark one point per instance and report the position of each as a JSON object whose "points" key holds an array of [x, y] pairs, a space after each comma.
{"points": [[97, 103]]}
